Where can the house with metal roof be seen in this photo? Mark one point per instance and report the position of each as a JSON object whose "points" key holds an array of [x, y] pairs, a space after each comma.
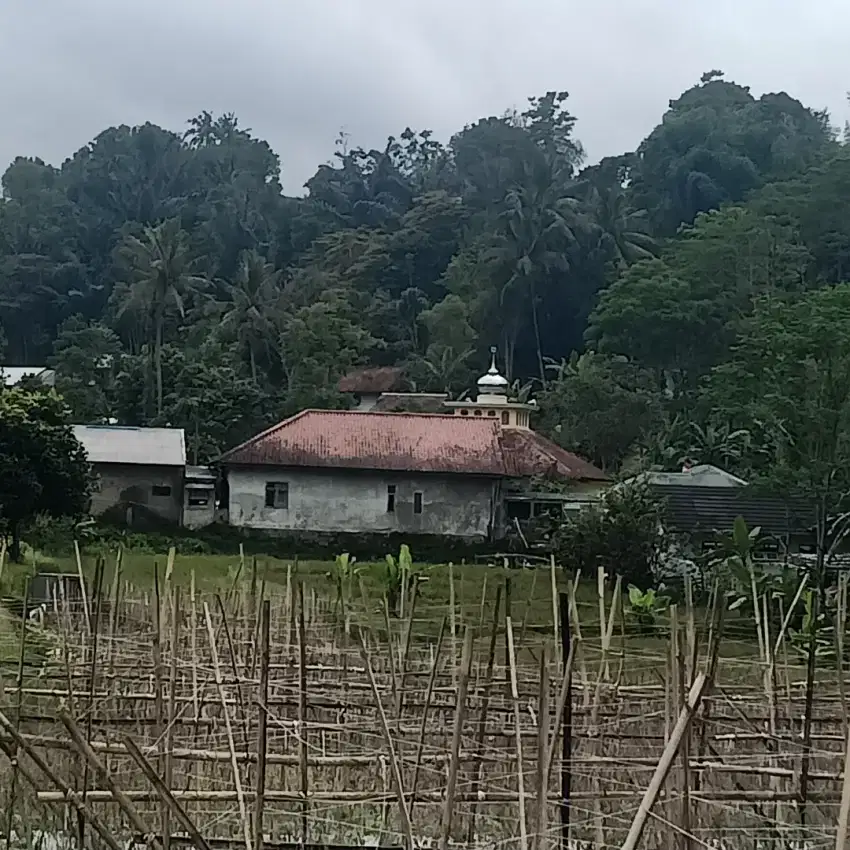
{"points": [[13, 375], [367, 471], [140, 472]]}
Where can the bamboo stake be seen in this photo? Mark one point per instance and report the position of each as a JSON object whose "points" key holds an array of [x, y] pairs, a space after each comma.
{"points": [[163, 793], [542, 754], [453, 621], [460, 717], [246, 827], [105, 777], [82, 579], [22, 652], [66, 793], [665, 763], [262, 728], [423, 727], [388, 741], [169, 729], [844, 810], [302, 712], [482, 721], [523, 832]]}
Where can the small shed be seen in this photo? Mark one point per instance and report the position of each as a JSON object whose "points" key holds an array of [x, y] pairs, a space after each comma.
{"points": [[139, 470], [199, 497]]}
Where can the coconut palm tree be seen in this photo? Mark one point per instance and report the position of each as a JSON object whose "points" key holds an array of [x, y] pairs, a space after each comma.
{"points": [[539, 223], [252, 297], [159, 269]]}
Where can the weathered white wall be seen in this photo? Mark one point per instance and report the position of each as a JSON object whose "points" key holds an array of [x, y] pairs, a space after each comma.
{"points": [[127, 485], [345, 501]]}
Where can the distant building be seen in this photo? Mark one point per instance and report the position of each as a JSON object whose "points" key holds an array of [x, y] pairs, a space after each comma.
{"points": [[140, 472], [453, 474], [13, 375], [366, 386], [199, 501]]}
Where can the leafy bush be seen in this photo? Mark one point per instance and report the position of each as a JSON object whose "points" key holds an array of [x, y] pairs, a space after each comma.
{"points": [[621, 533]]}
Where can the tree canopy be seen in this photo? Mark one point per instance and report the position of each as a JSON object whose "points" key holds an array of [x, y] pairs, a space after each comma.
{"points": [[43, 467], [168, 279]]}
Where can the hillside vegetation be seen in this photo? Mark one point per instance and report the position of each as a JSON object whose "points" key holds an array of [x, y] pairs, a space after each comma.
{"points": [[686, 300]]}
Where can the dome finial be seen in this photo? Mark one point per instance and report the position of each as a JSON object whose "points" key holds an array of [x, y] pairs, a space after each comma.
{"points": [[493, 383]]}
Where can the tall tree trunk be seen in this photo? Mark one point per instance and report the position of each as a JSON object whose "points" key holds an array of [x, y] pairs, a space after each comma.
{"points": [[536, 322], [158, 364], [253, 360], [15, 547]]}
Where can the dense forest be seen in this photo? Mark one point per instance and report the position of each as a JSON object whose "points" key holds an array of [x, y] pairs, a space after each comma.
{"points": [[684, 301]]}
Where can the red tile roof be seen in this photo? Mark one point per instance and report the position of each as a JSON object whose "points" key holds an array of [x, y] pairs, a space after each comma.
{"points": [[381, 379], [528, 453], [408, 442]]}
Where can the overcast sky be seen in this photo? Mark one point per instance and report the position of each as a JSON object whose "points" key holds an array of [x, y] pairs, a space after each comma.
{"points": [[298, 71]]}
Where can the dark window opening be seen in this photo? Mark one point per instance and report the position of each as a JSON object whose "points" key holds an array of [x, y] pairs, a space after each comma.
{"points": [[197, 498], [464, 413], [391, 498], [506, 418], [476, 413], [417, 503], [491, 412], [160, 490], [277, 495], [518, 510]]}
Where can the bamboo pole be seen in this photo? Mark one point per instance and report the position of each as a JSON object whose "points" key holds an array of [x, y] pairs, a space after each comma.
{"points": [[262, 727], [665, 763], [246, 827], [460, 717], [163, 793], [106, 778], [523, 831], [388, 741]]}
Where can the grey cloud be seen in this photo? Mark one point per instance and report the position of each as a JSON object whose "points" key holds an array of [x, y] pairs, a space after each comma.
{"points": [[297, 71]]}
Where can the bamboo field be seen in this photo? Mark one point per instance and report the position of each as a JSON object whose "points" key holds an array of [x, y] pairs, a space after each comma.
{"points": [[275, 716]]}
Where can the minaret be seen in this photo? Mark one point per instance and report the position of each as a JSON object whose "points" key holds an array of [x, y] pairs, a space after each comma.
{"points": [[492, 401]]}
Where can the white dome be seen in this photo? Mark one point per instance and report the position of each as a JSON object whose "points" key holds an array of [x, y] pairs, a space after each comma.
{"points": [[493, 383]]}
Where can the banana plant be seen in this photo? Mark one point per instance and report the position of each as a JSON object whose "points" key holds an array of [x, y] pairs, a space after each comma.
{"points": [[342, 575], [645, 607], [399, 577]]}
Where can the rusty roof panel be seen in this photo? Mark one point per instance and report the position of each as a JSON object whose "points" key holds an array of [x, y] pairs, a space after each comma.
{"points": [[388, 441], [528, 453], [409, 442]]}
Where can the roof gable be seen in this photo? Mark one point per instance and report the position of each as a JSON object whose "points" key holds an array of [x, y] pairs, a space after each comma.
{"points": [[131, 445]]}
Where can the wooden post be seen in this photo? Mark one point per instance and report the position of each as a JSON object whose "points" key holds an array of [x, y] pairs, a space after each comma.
{"points": [[262, 731]]}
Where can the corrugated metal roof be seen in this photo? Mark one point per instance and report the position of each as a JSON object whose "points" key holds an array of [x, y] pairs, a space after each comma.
{"points": [[14, 374], [128, 444], [713, 509], [408, 442]]}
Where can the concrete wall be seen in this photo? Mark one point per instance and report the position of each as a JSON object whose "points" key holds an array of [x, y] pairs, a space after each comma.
{"points": [[131, 484], [351, 502]]}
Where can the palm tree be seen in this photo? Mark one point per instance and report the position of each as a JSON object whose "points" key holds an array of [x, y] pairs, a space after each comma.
{"points": [[623, 228], [539, 227], [252, 297], [159, 268]]}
